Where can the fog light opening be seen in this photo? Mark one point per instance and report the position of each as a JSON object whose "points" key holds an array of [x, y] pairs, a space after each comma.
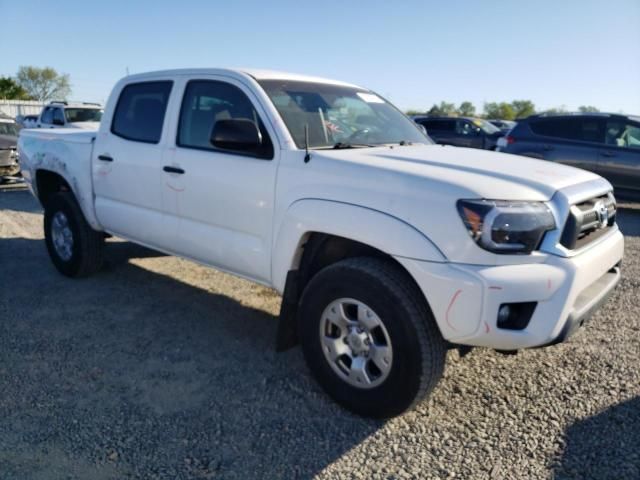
{"points": [[515, 316]]}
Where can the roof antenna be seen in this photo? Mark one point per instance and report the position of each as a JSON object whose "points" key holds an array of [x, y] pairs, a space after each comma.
{"points": [[307, 155]]}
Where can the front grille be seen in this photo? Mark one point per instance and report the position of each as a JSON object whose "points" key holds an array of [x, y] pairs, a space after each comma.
{"points": [[589, 221]]}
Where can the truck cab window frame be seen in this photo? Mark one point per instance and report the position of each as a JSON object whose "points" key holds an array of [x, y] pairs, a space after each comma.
{"points": [[204, 102]]}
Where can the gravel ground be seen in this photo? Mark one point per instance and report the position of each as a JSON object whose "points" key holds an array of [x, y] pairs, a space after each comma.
{"points": [[159, 368]]}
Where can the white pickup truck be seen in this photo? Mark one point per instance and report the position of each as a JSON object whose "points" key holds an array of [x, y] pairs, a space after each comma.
{"points": [[386, 248]]}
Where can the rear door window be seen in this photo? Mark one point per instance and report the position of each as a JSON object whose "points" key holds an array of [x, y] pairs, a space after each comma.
{"points": [[140, 111], [440, 125], [578, 128]]}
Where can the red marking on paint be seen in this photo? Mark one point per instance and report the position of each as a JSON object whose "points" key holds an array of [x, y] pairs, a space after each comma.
{"points": [[549, 284], [486, 327], [453, 300], [175, 189], [493, 287]]}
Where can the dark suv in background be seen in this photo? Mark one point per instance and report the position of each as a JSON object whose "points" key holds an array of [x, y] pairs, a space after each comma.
{"points": [[607, 144], [461, 131]]}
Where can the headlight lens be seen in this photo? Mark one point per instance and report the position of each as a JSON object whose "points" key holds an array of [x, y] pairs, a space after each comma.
{"points": [[507, 227]]}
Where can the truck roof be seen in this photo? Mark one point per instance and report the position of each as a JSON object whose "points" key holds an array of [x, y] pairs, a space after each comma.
{"points": [[66, 104], [239, 72]]}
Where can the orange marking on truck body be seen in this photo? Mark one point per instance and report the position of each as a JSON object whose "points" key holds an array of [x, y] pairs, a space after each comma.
{"points": [[453, 300]]}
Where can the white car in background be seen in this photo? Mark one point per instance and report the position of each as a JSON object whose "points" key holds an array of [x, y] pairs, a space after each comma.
{"points": [[71, 115]]}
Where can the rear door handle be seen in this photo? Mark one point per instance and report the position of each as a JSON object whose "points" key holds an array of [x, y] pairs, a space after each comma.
{"points": [[169, 169], [607, 153], [105, 158]]}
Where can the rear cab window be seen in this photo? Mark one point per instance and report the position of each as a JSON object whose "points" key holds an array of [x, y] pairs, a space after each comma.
{"points": [[140, 111]]}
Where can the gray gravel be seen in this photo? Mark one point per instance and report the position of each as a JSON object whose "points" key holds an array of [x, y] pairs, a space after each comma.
{"points": [[159, 368]]}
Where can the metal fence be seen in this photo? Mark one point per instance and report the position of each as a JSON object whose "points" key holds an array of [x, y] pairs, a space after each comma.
{"points": [[13, 108]]}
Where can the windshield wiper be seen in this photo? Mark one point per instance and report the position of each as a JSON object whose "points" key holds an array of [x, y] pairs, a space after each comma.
{"points": [[341, 145]]}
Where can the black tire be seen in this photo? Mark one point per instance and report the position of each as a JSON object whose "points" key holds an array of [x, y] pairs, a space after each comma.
{"points": [[419, 350], [86, 252]]}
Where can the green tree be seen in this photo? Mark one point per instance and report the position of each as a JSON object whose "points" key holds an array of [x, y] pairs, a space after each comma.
{"points": [[502, 111], [10, 90], [587, 109], [444, 109], [523, 108], [560, 109], [413, 111], [44, 83], [467, 109]]}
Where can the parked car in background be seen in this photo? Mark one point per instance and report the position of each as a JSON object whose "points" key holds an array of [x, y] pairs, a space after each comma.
{"points": [[503, 125], [8, 147], [27, 121], [387, 249], [607, 144], [461, 131], [70, 115]]}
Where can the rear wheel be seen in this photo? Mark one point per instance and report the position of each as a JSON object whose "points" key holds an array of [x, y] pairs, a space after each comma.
{"points": [[74, 247], [369, 337]]}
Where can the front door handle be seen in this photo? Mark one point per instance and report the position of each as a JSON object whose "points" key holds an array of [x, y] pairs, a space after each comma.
{"points": [[607, 153], [169, 169], [105, 158]]}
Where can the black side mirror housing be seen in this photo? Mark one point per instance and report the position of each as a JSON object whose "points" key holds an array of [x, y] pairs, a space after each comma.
{"points": [[57, 121], [236, 135]]}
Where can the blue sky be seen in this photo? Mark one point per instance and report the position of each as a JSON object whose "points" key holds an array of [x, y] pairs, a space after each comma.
{"points": [[570, 52]]}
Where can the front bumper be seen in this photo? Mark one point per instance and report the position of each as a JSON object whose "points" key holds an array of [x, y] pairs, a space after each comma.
{"points": [[465, 299]]}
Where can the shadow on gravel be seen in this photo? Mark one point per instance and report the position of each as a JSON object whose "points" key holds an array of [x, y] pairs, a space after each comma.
{"points": [[605, 446], [133, 374], [629, 221], [17, 197]]}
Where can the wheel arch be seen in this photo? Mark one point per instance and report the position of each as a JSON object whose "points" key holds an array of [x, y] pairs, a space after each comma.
{"points": [[318, 233], [376, 230], [48, 182]]}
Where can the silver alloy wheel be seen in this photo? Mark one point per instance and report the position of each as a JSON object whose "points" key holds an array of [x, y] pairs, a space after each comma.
{"points": [[61, 236], [356, 343]]}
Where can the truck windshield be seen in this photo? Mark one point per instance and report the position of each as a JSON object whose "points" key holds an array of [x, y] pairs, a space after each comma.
{"points": [[338, 116], [83, 114]]}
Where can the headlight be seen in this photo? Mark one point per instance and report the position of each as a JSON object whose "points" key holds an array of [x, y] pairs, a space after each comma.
{"points": [[503, 226]]}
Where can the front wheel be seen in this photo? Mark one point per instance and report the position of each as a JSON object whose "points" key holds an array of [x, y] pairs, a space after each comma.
{"points": [[369, 337], [74, 247]]}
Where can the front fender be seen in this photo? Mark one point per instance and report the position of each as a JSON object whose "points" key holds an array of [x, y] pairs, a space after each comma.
{"points": [[371, 227]]}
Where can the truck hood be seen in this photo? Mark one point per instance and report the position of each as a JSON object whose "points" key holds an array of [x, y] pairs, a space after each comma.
{"points": [[468, 172]]}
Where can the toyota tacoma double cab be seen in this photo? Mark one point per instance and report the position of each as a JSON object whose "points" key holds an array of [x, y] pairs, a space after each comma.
{"points": [[386, 248]]}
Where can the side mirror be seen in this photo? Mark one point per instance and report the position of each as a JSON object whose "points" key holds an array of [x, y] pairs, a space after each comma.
{"points": [[237, 135], [57, 121]]}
